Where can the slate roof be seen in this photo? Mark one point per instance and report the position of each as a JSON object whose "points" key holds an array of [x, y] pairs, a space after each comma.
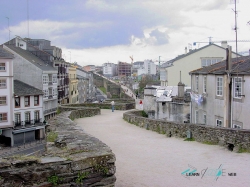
{"points": [[23, 89], [5, 54], [166, 64], [32, 58], [240, 65]]}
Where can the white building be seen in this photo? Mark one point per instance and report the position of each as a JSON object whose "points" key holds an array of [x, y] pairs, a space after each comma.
{"points": [[194, 59], [6, 91], [148, 68], [109, 69], [28, 114]]}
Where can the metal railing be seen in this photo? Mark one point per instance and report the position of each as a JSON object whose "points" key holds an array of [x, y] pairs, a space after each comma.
{"points": [[27, 123]]}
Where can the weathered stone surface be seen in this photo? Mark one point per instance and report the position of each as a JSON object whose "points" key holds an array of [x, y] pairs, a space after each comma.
{"points": [[237, 140], [75, 158]]}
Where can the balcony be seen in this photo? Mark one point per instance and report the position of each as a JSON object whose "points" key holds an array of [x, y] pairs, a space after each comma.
{"points": [[28, 123], [49, 110], [50, 83]]}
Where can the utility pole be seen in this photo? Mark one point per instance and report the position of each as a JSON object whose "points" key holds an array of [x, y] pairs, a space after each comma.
{"points": [[9, 27], [159, 67]]}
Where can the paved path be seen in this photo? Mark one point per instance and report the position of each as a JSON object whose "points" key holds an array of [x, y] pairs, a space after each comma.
{"points": [[147, 159]]}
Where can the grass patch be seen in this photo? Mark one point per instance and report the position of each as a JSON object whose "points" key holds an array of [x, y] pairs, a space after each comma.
{"points": [[209, 143], [189, 139], [243, 150], [54, 180], [81, 176], [103, 90], [52, 136]]}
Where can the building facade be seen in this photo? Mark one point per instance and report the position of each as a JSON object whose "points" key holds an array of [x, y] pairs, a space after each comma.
{"points": [[124, 69], [73, 82], [220, 94], [6, 92], [179, 67], [33, 71], [28, 114], [109, 69]]}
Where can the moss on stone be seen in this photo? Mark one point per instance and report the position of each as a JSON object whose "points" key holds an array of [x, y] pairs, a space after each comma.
{"points": [[52, 136], [189, 139]]}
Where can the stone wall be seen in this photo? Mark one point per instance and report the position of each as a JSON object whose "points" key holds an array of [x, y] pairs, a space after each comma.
{"points": [[73, 159], [237, 140], [120, 104]]}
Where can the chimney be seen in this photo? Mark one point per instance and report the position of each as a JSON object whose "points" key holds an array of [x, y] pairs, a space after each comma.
{"points": [[229, 58], [186, 50], [224, 44]]}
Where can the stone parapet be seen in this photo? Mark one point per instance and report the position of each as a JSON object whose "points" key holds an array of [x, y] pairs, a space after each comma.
{"points": [[120, 104], [237, 140], [74, 158]]}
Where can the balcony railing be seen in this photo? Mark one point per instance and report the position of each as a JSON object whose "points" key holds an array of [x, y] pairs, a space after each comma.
{"points": [[28, 123], [49, 110], [50, 83]]}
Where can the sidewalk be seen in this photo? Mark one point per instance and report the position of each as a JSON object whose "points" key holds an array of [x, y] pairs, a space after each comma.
{"points": [[147, 159]]}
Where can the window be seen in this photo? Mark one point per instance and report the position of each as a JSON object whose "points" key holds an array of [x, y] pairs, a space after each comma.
{"points": [[45, 79], [36, 115], [205, 84], [3, 100], [236, 126], [17, 119], [27, 118], [27, 101], [196, 116], [237, 87], [2, 67], [3, 83], [218, 123], [3, 117], [54, 92], [205, 119], [46, 93], [54, 78], [209, 61], [36, 100], [219, 86], [17, 102], [196, 83]]}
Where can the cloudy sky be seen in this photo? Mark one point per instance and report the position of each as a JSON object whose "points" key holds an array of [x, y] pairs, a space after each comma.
{"points": [[99, 31]]}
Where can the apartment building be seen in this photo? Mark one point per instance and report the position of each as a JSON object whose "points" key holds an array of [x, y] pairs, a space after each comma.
{"points": [[28, 114], [6, 93], [73, 82], [33, 71], [220, 94], [53, 55], [109, 69]]}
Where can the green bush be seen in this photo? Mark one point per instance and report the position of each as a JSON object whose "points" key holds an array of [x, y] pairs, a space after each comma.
{"points": [[52, 136], [144, 114]]}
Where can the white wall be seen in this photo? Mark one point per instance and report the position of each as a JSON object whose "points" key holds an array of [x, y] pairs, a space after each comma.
{"points": [[190, 63]]}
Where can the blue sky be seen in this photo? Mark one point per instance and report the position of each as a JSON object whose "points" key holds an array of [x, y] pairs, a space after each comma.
{"points": [[97, 31]]}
